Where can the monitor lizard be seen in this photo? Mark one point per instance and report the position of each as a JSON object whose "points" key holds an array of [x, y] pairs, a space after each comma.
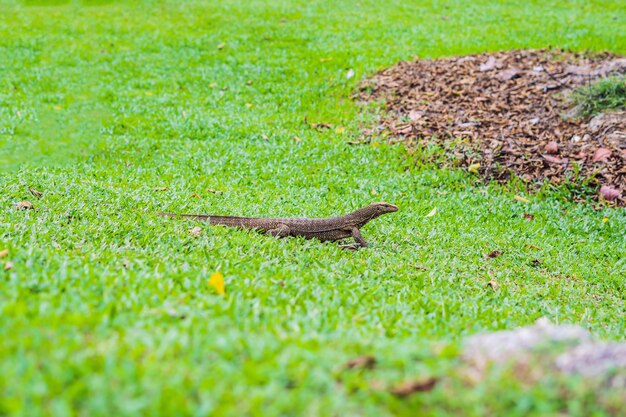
{"points": [[326, 229]]}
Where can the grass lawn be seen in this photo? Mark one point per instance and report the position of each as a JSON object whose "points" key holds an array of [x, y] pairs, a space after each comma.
{"points": [[107, 308]]}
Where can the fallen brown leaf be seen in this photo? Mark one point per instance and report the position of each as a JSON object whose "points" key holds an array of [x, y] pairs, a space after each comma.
{"points": [[411, 387], [578, 69], [508, 74], [160, 188], [529, 217], [415, 115], [609, 193], [489, 65], [216, 192], [601, 155], [552, 159], [195, 231], [493, 284], [4, 253], [316, 125], [24, 205], [552, 147], [494, 254], [361, 362], [36, 193]]}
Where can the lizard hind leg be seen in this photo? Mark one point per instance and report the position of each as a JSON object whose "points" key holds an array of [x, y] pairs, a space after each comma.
{"points": [[281, 231]]}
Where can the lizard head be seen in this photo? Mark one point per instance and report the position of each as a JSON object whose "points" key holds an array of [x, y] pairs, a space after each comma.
{"points": [[374, 210], [382, 208]]}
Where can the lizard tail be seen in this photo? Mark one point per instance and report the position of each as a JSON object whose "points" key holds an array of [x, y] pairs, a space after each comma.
{"points": [[231, 221], [186, 216]]}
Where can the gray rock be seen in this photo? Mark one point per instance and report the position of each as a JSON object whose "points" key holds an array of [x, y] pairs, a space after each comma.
{"points": [[592, 359], [545, 348], [514, 345]]}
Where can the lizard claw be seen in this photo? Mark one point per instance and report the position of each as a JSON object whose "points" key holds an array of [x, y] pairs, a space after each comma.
{"points": [[352, 246]]}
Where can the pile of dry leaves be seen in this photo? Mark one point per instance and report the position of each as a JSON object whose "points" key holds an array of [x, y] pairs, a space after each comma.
{"points": [[508, 113]]}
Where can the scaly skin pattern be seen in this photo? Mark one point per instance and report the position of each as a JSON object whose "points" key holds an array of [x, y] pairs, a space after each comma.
{"points": [[328, 229]]}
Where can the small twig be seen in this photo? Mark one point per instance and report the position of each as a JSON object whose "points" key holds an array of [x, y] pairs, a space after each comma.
{"points": [[528, 84], [556, 79]]}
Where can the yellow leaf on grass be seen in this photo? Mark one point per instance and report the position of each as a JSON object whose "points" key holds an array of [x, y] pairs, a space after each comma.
{"points": [[217, 281], [474, 168], [340, 129], [605, 219], [432, 212], [522, 199], [4, 253]]}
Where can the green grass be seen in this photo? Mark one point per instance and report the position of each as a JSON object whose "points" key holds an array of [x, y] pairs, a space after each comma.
{"points": [[107, 310], [606, 94]]}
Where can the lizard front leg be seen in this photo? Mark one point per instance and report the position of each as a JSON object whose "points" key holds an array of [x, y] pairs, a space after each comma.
{"points": [[281, 231], [359, 241]]}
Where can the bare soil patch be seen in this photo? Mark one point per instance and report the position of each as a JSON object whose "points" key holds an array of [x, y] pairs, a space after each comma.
{"points": [[508, 113]]}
